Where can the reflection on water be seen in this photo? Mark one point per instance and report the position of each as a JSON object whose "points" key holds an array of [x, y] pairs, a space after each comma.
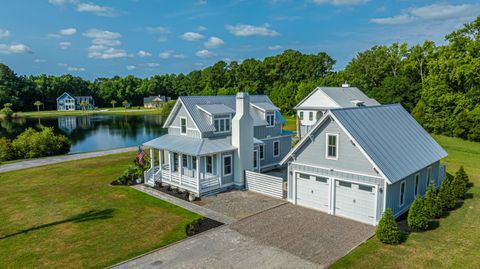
{"points": [[90, 133]]}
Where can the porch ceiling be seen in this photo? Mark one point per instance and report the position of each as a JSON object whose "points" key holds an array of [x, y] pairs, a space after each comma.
{"points": [[191, 146]]}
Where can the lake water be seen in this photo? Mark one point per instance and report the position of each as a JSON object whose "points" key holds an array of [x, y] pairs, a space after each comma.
{"points": [[91, 133]]}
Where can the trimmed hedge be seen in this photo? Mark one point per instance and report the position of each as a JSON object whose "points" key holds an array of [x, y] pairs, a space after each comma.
{"points": [[417, 216], [387, 229]]}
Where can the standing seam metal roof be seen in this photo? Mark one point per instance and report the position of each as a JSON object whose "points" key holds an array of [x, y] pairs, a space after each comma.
{"points": [[343, 96], [392, 138]]}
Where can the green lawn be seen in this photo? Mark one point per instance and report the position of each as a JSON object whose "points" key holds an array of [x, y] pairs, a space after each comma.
{"points": [[68, 216], [291, 124], [454, 244]]}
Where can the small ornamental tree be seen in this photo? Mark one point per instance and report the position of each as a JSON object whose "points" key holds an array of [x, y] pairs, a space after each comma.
{"points": [[417, 217], [445, 194], [113, 102], [387, 229], [431, 204], [459, 183]]}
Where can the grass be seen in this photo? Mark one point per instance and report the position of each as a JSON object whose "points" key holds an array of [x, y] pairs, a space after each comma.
{"points": [[453, 244], [68, 216], [291, 124], [100, 111]]}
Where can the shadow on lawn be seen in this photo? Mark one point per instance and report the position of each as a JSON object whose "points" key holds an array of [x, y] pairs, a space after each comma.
{"points": [[83, 217]]}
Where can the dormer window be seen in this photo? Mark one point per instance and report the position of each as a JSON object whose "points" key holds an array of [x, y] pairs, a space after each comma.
{"points": [[270, 118], [222, 124]]}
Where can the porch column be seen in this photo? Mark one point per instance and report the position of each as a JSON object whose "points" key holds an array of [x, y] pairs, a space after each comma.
{"points": [[197, 172], [160, 161], [152, 156], [170, 164], [180, 167], [219, 168]]}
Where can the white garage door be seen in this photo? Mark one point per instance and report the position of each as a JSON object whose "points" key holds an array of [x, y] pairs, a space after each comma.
{"points": [[355, 201], [313, 191]]}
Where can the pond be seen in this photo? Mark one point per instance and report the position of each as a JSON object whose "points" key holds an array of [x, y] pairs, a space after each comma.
{"points": [[91, 133]]}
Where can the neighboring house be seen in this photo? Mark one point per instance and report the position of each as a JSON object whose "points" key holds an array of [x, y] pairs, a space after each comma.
{"points": [[155, 101], [321, 99], [212, 140], [356, 162], [67, 101]]}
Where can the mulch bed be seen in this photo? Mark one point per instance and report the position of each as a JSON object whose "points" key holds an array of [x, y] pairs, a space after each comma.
{"points": [[173, 192], [202, 225]]}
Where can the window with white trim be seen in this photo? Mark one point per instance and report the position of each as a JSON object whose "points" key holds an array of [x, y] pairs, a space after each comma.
{"points": [[261, 152], [301, 115], [270, 118], [429, 175], [255, 159], [332, 146], [402, 193], [417, 180], [209, 164], [194, 163], [310, 116], [184, 161], [227, 165], [222, 124], [183, 125], [175, 162], [276, 148]]}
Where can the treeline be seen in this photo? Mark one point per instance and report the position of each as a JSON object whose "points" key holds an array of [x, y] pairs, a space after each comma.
{"points": [[440, 85]]}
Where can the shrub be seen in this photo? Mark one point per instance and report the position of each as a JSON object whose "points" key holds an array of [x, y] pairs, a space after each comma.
{"points": [[387, 230], [166, 109], [192, 228], [6, 150], [445, 194], [417, 217], [7, 110], [459, 183], [34, 144], [432, 205], [129, 175]]}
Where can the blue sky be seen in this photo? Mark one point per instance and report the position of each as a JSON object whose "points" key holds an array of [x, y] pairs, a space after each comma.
{"points": [[145, 37]]}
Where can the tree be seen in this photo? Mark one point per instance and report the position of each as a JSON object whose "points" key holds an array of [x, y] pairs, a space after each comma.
{"points": [[432, 205], [125, 104], [166, 109], [417, 217], [445, 194], [387, 229], [113, 102], [459, 183], [84, 105], [7, 110], [38, 104]]}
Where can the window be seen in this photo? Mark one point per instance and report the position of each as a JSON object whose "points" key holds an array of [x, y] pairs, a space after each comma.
{"points": [[209, 164], [270, 117], [417, 179], [321, 179], [255, 161], [175, 162], [310, 116], [365, 188], [402, 193], [194, 163], [303, 176], [184, 161], [332, 145], [183, 125], [344, 184], [222, 125], [261, 152], [429, 175], [227, 165], [276, 148], [301, 115]]}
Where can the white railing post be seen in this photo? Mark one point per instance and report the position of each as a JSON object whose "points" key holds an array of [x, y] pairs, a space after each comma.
{"points": [[170, 165], [152, 156], [220, 169], [180, 168], [197, 172]]}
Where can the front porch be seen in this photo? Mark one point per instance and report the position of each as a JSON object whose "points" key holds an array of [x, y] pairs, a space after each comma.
{"points": [[197, 174]]}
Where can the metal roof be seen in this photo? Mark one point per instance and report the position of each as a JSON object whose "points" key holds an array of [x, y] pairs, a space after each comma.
{"points": [[192, 104], [265, 106], [343, 96], [392, 139], [191, 146], [216, 109]]}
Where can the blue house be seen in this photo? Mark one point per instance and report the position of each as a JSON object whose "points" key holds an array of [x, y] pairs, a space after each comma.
{"points": [[356, 162], [212, 140], [66, 102]]}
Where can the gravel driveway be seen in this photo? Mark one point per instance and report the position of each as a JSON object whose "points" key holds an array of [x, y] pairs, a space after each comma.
{"points": [[306, 233]]}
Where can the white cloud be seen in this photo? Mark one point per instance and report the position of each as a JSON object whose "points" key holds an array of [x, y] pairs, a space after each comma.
{"points": [[153, 65], [213, 42], [276, 47], [131, 67], [39, 61], [76, 69], [204, 54], [101, 34], [62, 64], [201, 28], [4, 33], [166, 54], [162, 39], [192, 36], [435, 12], [103, 43], [143, 53], [68, 31], [106, 53], [14, 49], [64, 45], [251, 30], [340, 2], [61, 2], [96, 9], [179, 56], [157, 30]]}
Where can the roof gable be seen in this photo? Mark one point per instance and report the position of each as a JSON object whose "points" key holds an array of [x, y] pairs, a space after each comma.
{"points": [[65, 95], [335, 97]]}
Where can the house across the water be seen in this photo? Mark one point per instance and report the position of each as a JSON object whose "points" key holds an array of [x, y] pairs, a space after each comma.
{"points": [[156, 101], [67, 101]]}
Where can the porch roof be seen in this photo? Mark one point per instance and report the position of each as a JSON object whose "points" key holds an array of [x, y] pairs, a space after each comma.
{"points": [[191, 146]]}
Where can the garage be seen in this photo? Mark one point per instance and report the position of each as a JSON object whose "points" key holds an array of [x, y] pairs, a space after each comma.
{"points": [[355, 201], [313, 191]]}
